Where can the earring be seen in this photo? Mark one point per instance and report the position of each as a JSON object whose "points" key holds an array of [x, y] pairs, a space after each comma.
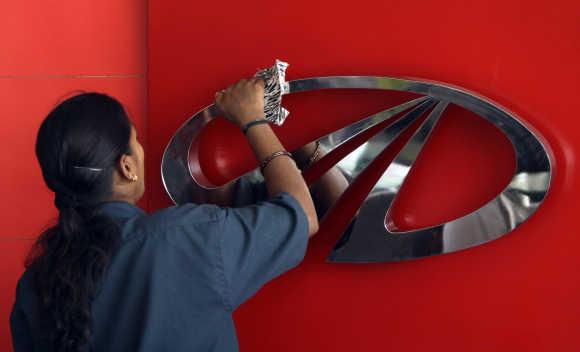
{"points": [[134, 178]]}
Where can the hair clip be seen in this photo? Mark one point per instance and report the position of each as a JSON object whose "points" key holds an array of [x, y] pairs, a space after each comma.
{"points": [[87, 168]]}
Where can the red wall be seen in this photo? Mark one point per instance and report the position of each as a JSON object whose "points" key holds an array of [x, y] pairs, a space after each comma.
{"points": [[47, 51], [519, 293]]}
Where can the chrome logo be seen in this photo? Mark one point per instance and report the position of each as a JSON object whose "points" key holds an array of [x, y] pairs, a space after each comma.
{"points": [[372, 235]]}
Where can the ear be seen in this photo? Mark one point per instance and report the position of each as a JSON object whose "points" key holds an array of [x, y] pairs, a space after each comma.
{"points": [[127, 167]]}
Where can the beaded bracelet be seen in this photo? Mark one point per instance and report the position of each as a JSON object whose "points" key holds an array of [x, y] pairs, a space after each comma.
{"points": [[265, 162]]}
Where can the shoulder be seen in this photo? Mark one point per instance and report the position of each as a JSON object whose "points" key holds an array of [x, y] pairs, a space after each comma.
{"points": [[25, 292], [176, 223], [267, 216], [186, 214]]}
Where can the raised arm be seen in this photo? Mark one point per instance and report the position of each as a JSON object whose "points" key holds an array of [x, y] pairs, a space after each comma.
{"points": [[244, 102]]}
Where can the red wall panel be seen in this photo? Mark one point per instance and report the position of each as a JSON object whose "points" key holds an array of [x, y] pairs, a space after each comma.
{"points": [[72, 38], [49, 50], [518, 293]]}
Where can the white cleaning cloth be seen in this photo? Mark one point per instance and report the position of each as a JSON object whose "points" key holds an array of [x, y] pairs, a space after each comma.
{"points": [[275, 86]]}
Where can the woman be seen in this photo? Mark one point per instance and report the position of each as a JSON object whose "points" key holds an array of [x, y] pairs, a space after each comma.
{"points": [[108, 277]]}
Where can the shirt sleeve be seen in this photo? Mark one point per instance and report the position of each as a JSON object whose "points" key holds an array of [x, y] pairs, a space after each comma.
{"points": [[259, 242]]}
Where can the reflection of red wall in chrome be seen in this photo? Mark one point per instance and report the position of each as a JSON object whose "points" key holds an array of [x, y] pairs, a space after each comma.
{"points": [[514, 294]]}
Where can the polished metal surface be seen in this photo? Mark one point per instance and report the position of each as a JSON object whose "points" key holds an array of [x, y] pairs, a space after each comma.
{"points": [[372, 235]]}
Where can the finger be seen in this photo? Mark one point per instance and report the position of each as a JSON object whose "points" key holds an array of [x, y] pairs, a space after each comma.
{"points": [[240, 83], [258, 85], [219, 97]]}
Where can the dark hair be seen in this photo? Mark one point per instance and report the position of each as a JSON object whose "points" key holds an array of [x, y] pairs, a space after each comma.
{"points": [[78, 146]]}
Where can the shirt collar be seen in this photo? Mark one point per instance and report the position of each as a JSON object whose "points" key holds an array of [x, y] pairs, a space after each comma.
{"points": [[121, 209]]}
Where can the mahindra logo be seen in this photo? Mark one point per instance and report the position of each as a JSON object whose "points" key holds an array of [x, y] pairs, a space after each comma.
{"points": [[372, 235]]}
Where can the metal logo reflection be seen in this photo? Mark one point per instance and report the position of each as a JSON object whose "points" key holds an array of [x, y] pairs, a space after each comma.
{"points": [[372, 235]]}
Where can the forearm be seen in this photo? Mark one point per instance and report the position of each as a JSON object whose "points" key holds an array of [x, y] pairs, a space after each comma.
{"points": [[281, 173], [242, 103], [330, 186]]}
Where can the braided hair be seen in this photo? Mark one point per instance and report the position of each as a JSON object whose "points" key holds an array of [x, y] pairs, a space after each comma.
{"points": [[78, 145]]}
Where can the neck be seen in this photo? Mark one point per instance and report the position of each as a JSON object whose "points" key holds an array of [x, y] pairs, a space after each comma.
{"points": [[123, 198]]}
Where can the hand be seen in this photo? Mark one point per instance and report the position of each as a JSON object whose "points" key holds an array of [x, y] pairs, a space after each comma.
{"points": [[243, 101]]}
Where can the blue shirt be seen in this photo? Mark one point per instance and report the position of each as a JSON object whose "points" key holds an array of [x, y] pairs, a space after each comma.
{"points": [[180, 273]]}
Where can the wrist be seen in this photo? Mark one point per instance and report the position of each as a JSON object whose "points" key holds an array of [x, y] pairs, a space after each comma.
{"points": [[252, 123], [243, 120]]}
